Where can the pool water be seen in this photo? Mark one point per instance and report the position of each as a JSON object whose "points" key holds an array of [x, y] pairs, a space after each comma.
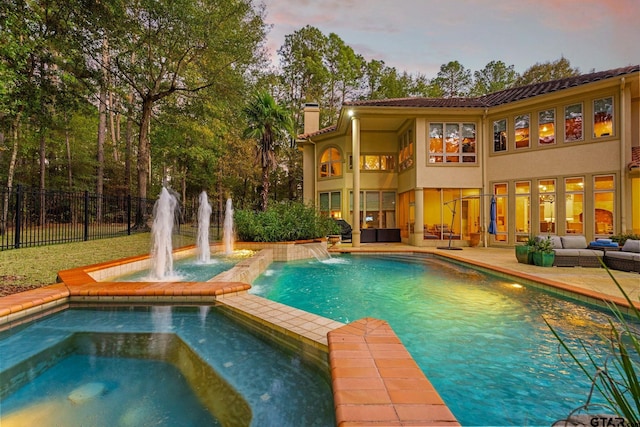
{"points": [[277, 385], [188, 270], [480, 340], [45, 401]]}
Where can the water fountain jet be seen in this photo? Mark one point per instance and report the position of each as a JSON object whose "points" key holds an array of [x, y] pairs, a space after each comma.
{"points": [[204, 218], [227, 231], [161, 229]]}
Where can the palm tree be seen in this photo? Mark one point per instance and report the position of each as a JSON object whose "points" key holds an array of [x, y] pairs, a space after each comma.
{"points": [[269, 124]]}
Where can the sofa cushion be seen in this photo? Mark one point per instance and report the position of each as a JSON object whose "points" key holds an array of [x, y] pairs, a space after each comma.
{"points": [[556, 243], [574, 242], [567, 252], [631, 246], [590, 253], [623, 255]]}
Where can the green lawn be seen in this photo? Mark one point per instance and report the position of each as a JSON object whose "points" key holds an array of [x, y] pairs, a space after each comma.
{"points": [[26, 268]]}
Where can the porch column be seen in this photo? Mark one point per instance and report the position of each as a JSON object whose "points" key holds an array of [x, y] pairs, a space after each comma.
{"points": [[482, 146], [355, 145], [625, 157], [418, 227], [309, 168]]}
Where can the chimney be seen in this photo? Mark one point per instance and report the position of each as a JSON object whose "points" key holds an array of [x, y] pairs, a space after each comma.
{"points": [[311, 117]]}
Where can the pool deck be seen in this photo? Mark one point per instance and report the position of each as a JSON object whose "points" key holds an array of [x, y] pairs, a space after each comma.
{"points": [[374, 379]]}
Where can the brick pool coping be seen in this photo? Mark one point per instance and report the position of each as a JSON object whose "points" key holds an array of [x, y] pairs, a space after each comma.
{"points": [[375, 380]]}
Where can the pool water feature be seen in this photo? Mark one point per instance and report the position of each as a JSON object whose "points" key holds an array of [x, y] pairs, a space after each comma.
{"points": [[161, 229], [480, 340], [190, 350], [204, 219], [228, 236], [188, 269]]}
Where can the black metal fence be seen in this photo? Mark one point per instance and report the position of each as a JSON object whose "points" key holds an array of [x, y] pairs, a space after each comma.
{"points": [[31, 217]]}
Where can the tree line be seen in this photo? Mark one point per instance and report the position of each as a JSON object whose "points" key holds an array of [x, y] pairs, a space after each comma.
{"points": [[124, 96]]}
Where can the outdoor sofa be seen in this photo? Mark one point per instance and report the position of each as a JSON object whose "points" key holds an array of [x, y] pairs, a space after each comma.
{"points": [[572, 251], [626, 259]]}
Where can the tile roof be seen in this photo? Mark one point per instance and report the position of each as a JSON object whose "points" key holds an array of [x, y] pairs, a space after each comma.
{"points": [[529, 91], [318, 132], [419, 102], [501, 97]]}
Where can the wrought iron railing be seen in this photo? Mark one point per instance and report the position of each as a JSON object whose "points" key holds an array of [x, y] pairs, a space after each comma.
{"points": [[32, 217]]}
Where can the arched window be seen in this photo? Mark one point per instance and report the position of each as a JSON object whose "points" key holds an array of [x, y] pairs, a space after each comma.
{"points": [[330, 163]]}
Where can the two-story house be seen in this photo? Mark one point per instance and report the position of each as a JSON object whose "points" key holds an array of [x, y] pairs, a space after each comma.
{"points": [[559, 157]]}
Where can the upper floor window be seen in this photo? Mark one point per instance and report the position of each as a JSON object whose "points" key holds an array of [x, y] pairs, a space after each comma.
{"points": [[330, 163], [521, 125], [547, 127], [436, 147], [405, 150], [603, 117], [500, 135], [452, 143], [573, 123], [375, 162]]}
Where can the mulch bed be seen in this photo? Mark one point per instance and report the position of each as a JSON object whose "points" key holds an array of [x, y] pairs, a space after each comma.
{"points": [[7, 287]]}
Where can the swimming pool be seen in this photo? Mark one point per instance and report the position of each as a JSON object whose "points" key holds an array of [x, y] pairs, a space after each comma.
{"points": [[479, 339], [268, 378]]}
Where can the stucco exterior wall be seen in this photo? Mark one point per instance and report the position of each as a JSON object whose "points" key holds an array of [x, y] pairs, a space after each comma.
{"points": [[596, 157]]}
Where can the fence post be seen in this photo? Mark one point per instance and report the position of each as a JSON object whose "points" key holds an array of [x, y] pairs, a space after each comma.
{"points": [[18, 217], [86, 215], [128, 214]]}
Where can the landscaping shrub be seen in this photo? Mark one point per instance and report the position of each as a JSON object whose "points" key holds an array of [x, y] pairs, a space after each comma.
{"points": [[621, 238], [283, 222]]}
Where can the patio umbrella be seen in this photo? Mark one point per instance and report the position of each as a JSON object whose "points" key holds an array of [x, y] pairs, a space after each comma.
{"points": [[493, 228]]}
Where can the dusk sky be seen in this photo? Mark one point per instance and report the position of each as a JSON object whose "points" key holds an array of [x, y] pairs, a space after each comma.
{"points": [[418, 36]]}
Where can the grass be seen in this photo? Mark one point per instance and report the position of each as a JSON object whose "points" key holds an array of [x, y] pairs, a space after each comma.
{"points": [[26, 268]]}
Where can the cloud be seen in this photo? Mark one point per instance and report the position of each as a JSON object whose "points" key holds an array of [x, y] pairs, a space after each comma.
{"points": [[596, 34]]}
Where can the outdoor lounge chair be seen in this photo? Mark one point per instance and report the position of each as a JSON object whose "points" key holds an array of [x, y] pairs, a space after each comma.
{"points": [[626, 259], [345, 230]]}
